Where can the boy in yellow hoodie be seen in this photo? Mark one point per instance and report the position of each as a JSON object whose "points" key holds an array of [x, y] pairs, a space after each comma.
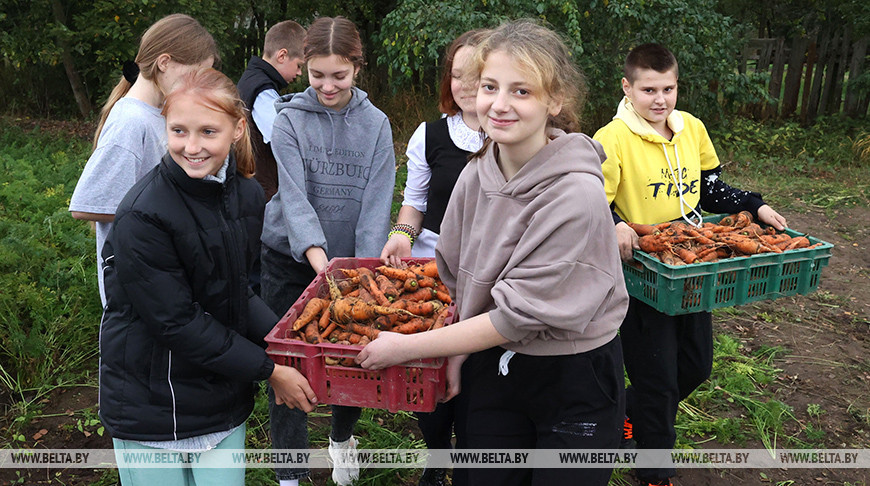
{"points": [[661, 166]]}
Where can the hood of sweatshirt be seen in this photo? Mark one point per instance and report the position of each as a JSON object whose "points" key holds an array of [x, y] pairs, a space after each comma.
{"points": [[640, 127], [559, 157]]}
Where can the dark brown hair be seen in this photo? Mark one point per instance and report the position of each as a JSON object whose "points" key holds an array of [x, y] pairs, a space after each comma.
{"points": [[334, 35], [284, 35], [649, 56], [182, 37], [218, 92], [446, 103]]}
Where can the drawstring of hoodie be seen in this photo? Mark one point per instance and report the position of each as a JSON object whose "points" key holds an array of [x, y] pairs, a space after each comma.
{"points": [[678, 179], [332, 128]]}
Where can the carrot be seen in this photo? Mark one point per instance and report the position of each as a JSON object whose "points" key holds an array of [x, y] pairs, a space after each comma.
{"points": [[410, 285], [349, 309], [349, 272], [347, 286], [367, 331], [369, 283], [443, 297], [424, 308], [312, 336], [643, 229], [414, 326], [728, 220], [798, 243], [687, 256], [440, 318], [670, 259], [699, 238], [422, 294], [365, 296], [652, 244], [387, 287], [312, 309], [424, 281], [324, 319], [430, 269], [394, 272], [329, 329]]}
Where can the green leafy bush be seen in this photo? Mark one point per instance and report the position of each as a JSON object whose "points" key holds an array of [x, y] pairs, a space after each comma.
{"points": [[49, 305]]}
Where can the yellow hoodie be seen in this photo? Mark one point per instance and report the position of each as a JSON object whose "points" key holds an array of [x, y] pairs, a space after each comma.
{"points": [[644, 169]]}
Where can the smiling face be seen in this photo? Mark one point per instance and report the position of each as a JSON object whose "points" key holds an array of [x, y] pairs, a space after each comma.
{"points": [[200, 137], [653, 94], [463, 94], [331, 77], [512, 110]]}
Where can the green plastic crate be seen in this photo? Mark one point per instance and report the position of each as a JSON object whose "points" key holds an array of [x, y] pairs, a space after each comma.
{"points": [[699, 287]]}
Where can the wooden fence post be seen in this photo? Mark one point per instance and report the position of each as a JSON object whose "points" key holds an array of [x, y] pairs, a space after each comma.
{"points": [[812, 57], [818, 77], [856, 67], [796, 58], [775, 85], [840, 74]]}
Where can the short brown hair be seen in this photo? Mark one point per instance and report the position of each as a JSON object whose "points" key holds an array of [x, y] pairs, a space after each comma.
{"points": [[284, 35], [334, 35], [650, 56], [446, 103]]}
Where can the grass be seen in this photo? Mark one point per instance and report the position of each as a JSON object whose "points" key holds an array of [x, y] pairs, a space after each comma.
{"points": [[49, 308]]}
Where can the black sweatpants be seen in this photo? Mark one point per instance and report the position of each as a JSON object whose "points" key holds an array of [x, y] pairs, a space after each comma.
{"points": [[545, 402], [666, 358], [438, 428], [283, 280]]}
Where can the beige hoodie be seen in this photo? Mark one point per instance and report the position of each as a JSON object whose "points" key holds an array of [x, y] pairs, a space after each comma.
{"points": [[538, 252]]}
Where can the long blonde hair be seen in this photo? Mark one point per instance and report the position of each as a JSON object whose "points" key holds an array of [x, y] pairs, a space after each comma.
{"points": [[218, 92], [545, 57], [182, 37]]}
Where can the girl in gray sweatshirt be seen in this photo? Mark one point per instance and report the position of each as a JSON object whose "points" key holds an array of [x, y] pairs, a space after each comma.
{"points": [[336, 171]]}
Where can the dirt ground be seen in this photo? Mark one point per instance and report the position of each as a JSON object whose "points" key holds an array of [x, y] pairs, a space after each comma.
{"points": [[827, 334]]}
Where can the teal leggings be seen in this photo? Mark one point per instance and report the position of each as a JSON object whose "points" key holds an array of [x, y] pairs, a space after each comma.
{"points": [[185, 475]]}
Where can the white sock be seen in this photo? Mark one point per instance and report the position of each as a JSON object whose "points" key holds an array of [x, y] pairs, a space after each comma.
{"points": [[289, 482]]}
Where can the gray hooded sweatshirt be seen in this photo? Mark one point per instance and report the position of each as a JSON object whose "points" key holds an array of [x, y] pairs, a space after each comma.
{"points": [[538, 251], [336, 171]]}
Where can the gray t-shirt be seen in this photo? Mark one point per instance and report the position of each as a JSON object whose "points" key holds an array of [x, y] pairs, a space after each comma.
{"points": [[132, 142]]}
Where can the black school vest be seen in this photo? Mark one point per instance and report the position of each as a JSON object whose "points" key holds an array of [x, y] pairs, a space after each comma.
{"points": [[446, 161], [258, 77]]}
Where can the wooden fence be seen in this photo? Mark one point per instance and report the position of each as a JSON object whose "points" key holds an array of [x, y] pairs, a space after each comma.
{"points": [[808, 74]]}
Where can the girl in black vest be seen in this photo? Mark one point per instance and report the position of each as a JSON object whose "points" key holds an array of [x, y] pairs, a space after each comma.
{"points": [[181, 342], [437, 153]]}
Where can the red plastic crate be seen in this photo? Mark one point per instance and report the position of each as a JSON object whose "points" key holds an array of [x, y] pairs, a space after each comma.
{"points": [[416, 386]]}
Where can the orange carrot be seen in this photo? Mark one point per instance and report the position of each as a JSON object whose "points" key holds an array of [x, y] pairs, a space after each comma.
{"points": [[324, 319], [410, 285], [312, 335], [312, 309], [370, 332], [365, 296], [349, 309], [643, 229], [368, 281], [413, 326], [349, 272], [797, 243], [430, 269], [440, 318], [394, 272], [652, 243], [387, 287], [424, 308], [443, 297], [687, 256], [424, 293], [329, 329], [424, 281]]}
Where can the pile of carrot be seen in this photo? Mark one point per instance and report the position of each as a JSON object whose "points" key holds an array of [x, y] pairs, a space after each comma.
{"points": [[734, 236], [363, 302]]}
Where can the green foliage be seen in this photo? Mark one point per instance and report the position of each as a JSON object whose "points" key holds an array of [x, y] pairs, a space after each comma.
{"points": [[599, 33], [49, 305]]}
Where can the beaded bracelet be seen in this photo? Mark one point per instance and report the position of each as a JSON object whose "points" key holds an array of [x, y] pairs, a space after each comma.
{"points": [[404, 229]]}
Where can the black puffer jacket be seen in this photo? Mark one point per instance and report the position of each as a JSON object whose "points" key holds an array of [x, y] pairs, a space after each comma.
{"points": [[181, 342]]}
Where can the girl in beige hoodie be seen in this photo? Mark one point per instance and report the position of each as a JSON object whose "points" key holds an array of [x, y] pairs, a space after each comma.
{"points": [[528, 250]]}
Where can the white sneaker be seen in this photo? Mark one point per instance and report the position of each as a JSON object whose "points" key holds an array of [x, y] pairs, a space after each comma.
{"points": [[345, 463]]}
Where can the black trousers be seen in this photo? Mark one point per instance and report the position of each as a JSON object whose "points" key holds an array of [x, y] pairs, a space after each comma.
{"points": [[545, 402], [666, 358], [283, 280], [439, 426]]}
